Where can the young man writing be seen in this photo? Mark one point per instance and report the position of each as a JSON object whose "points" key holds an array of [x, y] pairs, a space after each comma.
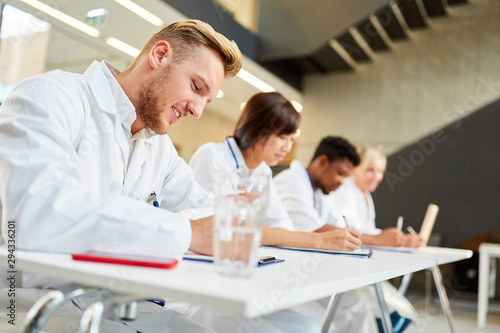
{"points": [[82, 155]]}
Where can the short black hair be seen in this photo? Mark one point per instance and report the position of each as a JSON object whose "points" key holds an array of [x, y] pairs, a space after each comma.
{"points": [[337, 148]]}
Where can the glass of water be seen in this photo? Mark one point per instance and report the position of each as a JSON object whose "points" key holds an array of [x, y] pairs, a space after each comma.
{"points": [[241, 201]]}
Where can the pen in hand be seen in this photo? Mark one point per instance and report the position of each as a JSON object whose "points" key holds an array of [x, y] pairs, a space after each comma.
{"points": [[399, 224], [411, 230], [346, 223]]}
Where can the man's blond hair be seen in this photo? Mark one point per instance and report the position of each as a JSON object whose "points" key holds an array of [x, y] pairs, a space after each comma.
{"points": [[185, 36]]}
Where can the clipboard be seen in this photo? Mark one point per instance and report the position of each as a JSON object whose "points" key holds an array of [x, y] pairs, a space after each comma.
{"points": [[392, 248], [358, 253], [428, 223]]}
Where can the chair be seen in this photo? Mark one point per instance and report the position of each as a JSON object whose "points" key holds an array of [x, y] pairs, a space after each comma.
{"points": [[49, 303]]}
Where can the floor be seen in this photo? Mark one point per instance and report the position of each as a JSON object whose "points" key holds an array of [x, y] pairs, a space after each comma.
{"points": [[464, 309]]}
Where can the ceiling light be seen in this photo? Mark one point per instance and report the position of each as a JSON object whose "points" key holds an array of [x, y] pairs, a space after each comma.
{"points": [[297, 106], [124, 47], [63, 17], [254, 81], [220, 94], [135, 8], [297, 133], [242, 105]]}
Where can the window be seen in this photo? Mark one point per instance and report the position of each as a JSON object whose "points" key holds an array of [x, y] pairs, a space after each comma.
{"points": [[24, 40]]}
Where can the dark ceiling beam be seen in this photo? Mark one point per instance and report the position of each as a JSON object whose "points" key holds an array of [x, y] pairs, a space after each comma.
{"points": [[371, 35], [390, 23], [434, 7], [352, 47], [412, 13], [361, 42], [328, 58]]}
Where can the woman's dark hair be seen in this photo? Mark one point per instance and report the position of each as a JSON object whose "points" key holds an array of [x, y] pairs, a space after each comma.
{"points": [[263, 115]]}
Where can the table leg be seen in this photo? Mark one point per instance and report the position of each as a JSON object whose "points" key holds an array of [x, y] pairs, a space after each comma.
{"points": [[438, 280], [333, 304], [386, 319], [405, 282], [493, 277], [482, 297]]}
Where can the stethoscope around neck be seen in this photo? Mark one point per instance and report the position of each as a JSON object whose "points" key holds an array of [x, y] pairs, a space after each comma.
{"points": [[234, 155], [242, 172]]}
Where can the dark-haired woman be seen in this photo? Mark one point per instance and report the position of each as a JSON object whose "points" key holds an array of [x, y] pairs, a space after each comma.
{"points": [[263, 135]]}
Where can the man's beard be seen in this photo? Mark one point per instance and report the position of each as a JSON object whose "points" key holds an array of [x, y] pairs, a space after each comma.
{"points": [[148, 108]]}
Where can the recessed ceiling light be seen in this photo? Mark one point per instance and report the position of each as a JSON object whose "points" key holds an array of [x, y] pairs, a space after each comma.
{"points": [[147, 15], [254, 81], [124, 47]]}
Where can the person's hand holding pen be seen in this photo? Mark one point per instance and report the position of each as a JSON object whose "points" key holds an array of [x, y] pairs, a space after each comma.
{"points": [[341, 239], [346, 239], [412, 239]]}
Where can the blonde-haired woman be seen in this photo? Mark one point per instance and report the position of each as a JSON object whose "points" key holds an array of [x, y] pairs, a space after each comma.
{"points": [[354, 201]]}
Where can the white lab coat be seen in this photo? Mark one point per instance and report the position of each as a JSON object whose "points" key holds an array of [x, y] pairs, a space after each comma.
{"points": [[73, 178], [308, 208], [349, 201], [309, 211], [213, 157]]}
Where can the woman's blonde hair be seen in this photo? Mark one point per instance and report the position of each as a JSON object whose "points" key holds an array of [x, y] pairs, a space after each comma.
{"points": [[185, 36], [369, 155]]}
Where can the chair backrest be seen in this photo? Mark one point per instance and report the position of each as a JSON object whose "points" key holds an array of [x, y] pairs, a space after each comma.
{"points": [[428, 223]]}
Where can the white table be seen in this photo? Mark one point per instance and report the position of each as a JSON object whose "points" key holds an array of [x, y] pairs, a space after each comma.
{"points": [[487, 252], [441, 256], [303, 277]]}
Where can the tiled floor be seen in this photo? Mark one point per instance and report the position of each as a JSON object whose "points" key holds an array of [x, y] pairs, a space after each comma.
{"points": [[464, 312]]}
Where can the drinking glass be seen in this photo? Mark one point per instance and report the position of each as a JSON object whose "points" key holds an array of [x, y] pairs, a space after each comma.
{"points": [[241, 198]]}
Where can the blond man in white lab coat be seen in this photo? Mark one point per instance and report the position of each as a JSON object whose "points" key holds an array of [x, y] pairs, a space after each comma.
{"points": [[81, 155]]}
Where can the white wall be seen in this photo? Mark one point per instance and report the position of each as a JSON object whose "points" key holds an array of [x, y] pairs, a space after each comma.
{"points": [[413, 90]]}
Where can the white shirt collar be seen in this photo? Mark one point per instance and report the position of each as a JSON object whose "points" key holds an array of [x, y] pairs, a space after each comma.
{"points": [[101, 77]]}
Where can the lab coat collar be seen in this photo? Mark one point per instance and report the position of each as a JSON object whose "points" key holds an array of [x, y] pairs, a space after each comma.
{"points": [[232, 145], [101, 77], [239, 156], [298, 165], [145, 134], [103, 84]]}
